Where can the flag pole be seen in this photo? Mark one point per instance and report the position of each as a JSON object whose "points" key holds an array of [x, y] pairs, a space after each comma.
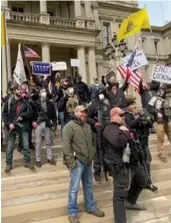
{"points": [[27, 63], [5, 49]]}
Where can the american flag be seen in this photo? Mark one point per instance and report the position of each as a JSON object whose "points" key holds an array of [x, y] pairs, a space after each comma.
{"points": [[30, 53], [135, 75]]}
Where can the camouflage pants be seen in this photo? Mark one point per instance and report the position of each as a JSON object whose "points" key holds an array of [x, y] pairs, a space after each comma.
{"points": [[162, 129]]}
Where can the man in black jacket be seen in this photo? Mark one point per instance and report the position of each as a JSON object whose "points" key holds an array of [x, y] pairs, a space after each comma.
{"points": [[97, 117], [140, 124], [82, 90], [116, 94], [126, 185], [16, 116], [44, 119]]}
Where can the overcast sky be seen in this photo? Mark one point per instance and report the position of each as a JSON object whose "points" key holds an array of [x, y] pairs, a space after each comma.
{"points": [[159, 11]]}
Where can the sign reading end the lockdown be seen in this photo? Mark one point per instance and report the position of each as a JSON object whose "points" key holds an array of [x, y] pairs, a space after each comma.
{"points": [[162, 74]]}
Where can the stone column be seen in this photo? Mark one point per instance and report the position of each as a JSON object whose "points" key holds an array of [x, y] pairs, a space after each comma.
{"points": [[44, 16], [77, 8], [82, 68], [9, 59], [100, 69], [88, 10], [96, 16], [90, 23], [80, 22], [45, 52], [92, 64], [4, 6]]}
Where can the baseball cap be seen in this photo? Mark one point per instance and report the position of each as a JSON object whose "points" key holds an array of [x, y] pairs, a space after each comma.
{"points": [[80, 108], [116, 111]]}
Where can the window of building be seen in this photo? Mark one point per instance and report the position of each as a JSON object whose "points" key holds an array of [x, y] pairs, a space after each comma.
{"points": [[156, 45], [50, 13], [105, 34], [18, 9]]}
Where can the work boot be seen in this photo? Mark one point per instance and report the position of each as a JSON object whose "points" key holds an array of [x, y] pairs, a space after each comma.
{"points": [[52, 162], [29, 166], [97, 178], [97, 213], [32, 147], [151, 187], [8, 168], [137, 207], [39, 164], [73, 219], [163, 158]]}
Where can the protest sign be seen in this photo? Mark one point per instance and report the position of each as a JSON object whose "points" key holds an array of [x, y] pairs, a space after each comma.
{"points": [[139, 60], [162, 74], [41, 68], [57, 66], [75, 62]]}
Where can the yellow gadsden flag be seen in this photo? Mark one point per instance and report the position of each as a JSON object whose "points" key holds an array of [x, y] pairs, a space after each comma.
{"points": [[133, 24], [2, 29]]}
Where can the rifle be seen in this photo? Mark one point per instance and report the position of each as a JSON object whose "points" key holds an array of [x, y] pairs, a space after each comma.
{"points": [[99, 130], [138, 147]]}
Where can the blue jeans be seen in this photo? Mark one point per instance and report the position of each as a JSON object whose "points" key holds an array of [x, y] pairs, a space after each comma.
{"points": [[23, 135], [62, 120], [81, 172]]}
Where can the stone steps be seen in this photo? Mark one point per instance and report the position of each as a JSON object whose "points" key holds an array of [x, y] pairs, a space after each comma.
{"points": [[155, 211], [40, 196]]}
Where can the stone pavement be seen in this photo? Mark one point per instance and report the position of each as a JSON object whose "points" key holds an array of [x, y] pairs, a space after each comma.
{"points": [[41, 196]]}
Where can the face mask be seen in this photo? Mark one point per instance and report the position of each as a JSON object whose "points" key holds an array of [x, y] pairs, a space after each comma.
{"points": [[71, 91], [43, 95], [101, 97]]}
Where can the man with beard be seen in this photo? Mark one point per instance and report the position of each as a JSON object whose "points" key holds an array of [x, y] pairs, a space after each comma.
{"points": [[78, 155], [16, 118], [122, 166]]}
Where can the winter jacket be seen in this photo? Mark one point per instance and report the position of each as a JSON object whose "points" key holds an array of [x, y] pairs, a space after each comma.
{"points": [[83, 91], [115, 141], [48, 117], [92, 115], [118, 99], [147, 95], [78, 142], [9, 113]]}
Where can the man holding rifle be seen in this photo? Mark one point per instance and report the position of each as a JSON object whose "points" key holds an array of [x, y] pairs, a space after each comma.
{"points": [[16, 116]]}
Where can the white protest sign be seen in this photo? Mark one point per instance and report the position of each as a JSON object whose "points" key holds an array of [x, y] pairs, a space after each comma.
{"points": [[59, 66], [75, 62], [139, 60], [162, 74]]}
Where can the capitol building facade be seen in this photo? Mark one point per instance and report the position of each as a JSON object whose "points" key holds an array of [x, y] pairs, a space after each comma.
{"points": [[61, 30]]}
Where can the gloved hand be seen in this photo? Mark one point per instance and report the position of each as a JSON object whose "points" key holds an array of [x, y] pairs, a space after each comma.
{"points": [[131, 135], [96, 124]]}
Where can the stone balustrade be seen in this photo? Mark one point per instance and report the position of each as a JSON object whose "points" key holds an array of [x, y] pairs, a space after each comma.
{"points": [[62, 22], [24, 17]]}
